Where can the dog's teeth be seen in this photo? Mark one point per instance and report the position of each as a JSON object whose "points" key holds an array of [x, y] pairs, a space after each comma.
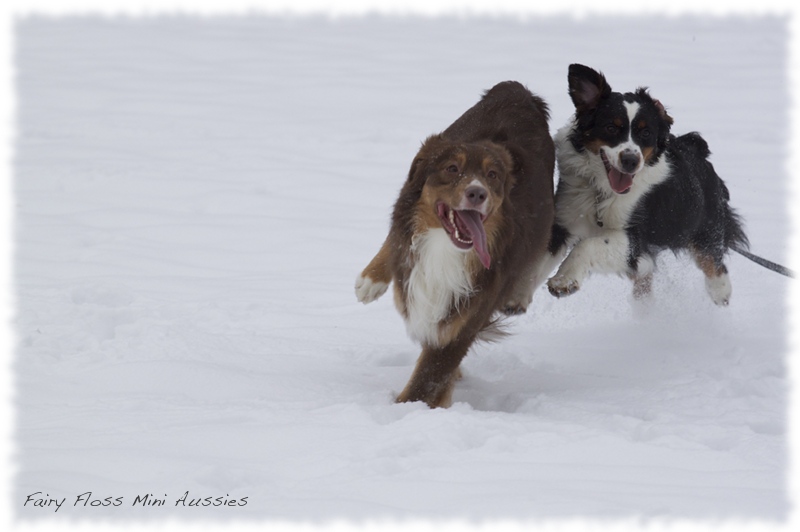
{"points": [[458, 237], [452, 220]]}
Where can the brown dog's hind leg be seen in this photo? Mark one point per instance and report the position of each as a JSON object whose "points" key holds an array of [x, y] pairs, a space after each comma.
{"points": [[536, 273], [521, 296]]}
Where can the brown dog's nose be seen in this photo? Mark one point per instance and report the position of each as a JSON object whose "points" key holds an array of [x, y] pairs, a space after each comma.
{"points": [[476, 195]]}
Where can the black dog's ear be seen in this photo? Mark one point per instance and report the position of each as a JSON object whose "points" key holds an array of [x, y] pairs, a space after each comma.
{"points": [[662, 112], [586, 87]]}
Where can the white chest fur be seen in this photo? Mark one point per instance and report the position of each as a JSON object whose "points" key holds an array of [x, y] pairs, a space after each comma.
{"points": [[440, 279]]}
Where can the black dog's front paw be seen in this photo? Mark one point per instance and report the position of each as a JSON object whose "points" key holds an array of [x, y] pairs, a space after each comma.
{"points": [[561, 286]]}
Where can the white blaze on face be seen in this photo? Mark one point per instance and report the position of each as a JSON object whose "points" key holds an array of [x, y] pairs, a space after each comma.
{"points": [[465, 204], [613, 153]]}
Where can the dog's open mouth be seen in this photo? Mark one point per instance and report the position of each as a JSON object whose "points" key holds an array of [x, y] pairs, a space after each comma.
{"points": [[619, 181], [465, 228]]}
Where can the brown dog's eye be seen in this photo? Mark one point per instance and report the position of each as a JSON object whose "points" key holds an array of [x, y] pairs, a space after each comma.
{"points": [[492, 174], [453, 169]]}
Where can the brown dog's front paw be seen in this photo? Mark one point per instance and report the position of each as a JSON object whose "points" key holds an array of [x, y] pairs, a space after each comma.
{"points": [[561, 286], [368, 290]]}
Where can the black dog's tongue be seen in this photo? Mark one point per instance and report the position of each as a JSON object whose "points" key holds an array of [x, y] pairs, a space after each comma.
{"points": [[619, 181], [473, 226]]}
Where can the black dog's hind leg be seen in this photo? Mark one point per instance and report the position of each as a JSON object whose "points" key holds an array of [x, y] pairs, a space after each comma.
{"points": [[718, 284]]}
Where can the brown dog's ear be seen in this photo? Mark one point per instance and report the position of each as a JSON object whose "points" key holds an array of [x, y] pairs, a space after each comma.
{"points": [[415, 165], [421, 168], [505, 155], [511, 160], [429, 150], [586, 87]]}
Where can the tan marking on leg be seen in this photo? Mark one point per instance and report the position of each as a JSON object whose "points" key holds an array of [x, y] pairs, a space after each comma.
{"points": [[718, 284], [707, 265], [378, 268]]}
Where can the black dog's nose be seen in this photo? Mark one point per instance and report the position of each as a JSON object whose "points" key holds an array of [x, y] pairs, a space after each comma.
{"points": [[476, 195], [629, 161]]}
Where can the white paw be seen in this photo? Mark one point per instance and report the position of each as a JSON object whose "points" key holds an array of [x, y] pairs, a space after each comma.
{"points": [[719, 288], [368, 290], [562, 285]]}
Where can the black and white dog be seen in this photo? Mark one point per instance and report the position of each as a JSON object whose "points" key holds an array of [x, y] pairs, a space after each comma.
{"points": [[629, 189]]}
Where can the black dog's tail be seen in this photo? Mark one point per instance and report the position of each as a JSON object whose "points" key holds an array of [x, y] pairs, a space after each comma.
{"points": [[736, 240], [768, 264]]}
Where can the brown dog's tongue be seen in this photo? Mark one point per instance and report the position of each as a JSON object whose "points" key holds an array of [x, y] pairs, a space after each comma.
{"points": [[473, 225]]}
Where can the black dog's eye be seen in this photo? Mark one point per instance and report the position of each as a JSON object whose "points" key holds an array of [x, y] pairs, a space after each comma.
{"points": [[611, 128], [453, 169], [645, 133], [492, 174]]}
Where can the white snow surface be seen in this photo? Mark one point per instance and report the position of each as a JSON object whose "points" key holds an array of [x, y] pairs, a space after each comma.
{"points": [[195, 197]]}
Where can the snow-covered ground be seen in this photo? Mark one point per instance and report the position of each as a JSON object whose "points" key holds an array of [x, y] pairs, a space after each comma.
{"points": [[195, 196]]}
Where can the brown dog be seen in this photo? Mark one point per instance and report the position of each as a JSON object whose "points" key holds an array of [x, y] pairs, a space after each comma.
{"points": [[469, 233]]}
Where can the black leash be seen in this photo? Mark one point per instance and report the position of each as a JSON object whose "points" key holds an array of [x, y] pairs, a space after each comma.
{"points": [[764, 262]]}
